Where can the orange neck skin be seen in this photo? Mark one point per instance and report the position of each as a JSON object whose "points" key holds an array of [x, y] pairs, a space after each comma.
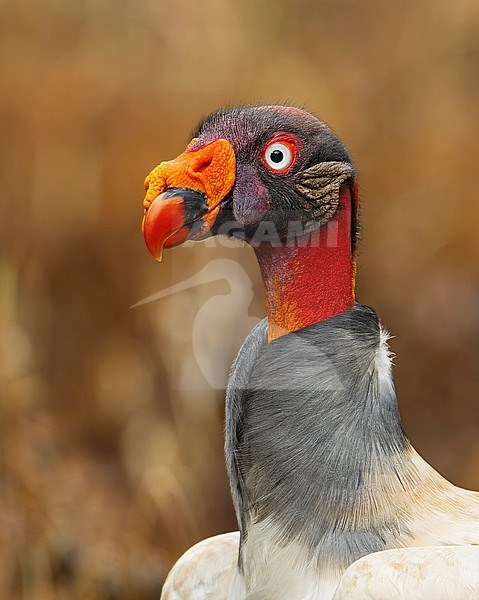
{"points": [[312, 279]]}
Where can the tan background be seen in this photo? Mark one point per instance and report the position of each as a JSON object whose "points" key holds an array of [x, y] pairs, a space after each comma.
{"points": [[109, 469]]}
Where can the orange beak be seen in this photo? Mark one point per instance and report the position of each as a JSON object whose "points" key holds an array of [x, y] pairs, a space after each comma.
{"points": [[187, 191]]}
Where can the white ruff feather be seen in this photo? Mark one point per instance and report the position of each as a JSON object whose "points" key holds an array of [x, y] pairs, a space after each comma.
{"points": [[383, 358]]}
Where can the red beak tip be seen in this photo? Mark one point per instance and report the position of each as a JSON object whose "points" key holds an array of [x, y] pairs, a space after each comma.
{"points": [[164, 224], [156, 250]]}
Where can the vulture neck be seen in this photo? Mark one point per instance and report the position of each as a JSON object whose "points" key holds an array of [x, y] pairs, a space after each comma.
{"points": [[311, 278]]}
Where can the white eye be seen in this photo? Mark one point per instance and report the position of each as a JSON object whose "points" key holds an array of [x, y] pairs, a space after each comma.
{"points": [[278, 156]]}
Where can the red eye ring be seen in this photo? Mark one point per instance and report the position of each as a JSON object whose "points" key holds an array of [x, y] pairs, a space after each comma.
{"points": [[279, 154]]}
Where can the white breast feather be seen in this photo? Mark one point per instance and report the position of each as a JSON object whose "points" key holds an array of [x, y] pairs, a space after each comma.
{"points": [[205, 571], [282, 571], [428, 573]]}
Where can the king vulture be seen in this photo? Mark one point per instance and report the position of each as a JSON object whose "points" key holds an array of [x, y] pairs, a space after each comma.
{"points": [[331, 498]]}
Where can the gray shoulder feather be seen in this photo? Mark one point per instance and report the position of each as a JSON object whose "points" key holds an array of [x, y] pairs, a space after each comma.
{"points": [[237, 385]]}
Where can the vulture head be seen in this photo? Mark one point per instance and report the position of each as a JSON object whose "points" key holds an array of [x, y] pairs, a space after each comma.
{"points": [[278, 178]]}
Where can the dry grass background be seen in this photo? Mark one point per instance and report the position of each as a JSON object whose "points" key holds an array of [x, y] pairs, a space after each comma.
{"points": [[108, 468]]}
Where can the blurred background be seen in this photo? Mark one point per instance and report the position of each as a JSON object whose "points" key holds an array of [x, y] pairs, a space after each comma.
{"points": [[111, 434]]}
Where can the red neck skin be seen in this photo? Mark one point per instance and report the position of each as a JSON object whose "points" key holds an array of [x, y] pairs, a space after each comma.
{"points": [[310, 279]]}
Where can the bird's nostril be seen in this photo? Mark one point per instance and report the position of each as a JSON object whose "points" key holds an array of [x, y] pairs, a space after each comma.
{"points": [[203, 166]]}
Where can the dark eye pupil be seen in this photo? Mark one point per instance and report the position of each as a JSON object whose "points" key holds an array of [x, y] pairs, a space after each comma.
{"points": [[277, 156]]}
